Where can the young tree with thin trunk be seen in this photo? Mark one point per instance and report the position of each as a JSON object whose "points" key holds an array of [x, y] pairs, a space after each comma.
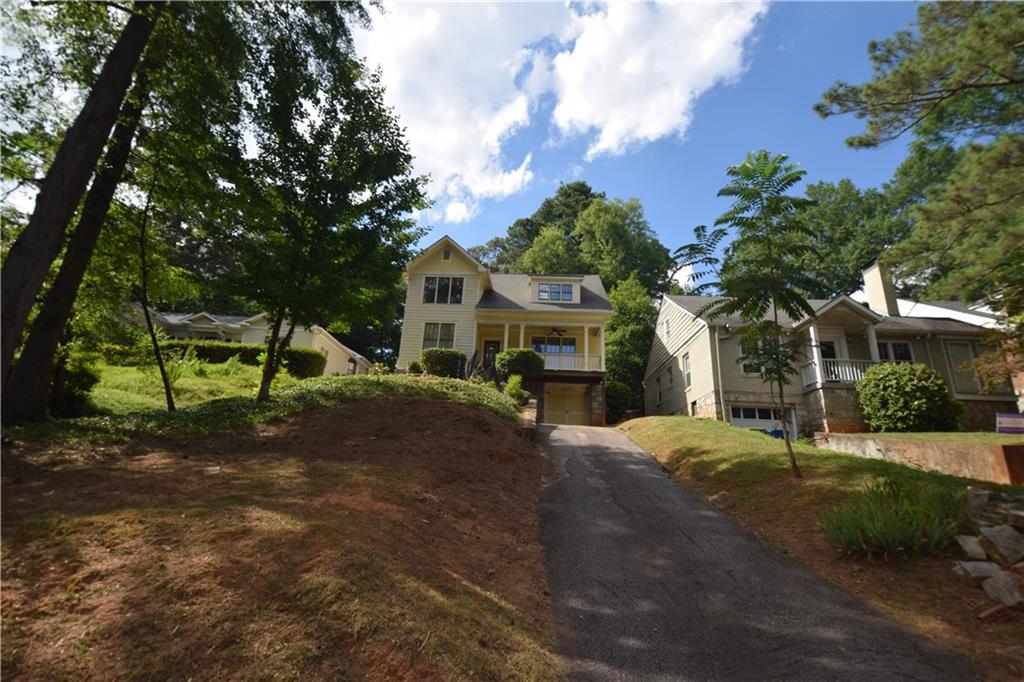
{"points": [[760, 278]]}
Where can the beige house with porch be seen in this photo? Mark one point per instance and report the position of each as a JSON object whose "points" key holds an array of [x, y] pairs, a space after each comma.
{"points": [[693, 365], [454, 302]]}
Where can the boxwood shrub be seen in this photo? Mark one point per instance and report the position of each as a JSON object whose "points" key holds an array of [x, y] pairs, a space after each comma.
{"points": [[304, 363], [514, 390], [443, 362], [899, 396], [526, 362]]}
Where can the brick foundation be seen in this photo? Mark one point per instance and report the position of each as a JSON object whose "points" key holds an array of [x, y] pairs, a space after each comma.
{"points": [[980, 415], [597, 404]]}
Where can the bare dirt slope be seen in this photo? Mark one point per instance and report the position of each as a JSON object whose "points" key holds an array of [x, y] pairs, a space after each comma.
{"points": [[391, 539]]}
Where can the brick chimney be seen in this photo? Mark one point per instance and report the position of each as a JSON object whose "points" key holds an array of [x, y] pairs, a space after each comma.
{"points": [[878, 286]]}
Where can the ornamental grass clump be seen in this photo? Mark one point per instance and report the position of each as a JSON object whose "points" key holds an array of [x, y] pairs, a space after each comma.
{"points": [[897, 519]]}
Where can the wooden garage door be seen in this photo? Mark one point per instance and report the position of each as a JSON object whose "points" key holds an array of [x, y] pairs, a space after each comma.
{"points": [[566, 404]]}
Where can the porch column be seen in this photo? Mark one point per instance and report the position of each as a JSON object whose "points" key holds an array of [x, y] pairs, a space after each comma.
{"points": [[601, 345], [522, 335], [816, 354], [586, 346], [873, 344], [504, 345]]}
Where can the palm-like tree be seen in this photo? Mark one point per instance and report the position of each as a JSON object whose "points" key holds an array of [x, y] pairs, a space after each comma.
{"points": [[760, 277]]}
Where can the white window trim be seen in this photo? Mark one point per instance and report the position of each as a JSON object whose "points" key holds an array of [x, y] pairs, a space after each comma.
{"points": [[889, 342], [455, 334], [686, 371], [423, 288], [574, 290]]}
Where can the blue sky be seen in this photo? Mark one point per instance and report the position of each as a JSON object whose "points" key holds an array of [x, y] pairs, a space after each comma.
{"points": [[735, 78]]}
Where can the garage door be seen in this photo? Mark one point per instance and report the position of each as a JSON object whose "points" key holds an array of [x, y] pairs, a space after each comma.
{"points": [[566, 404], [755, 417]]}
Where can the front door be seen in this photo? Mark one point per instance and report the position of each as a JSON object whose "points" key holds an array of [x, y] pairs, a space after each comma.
{"points": [[491, 350]]}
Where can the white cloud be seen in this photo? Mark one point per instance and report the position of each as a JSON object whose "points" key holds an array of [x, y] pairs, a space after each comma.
{"points": [[465, 77], [636, 70]]}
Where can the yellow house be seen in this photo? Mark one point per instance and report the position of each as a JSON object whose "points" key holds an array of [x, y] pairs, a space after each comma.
{"points": [[694, 369], [454, 302], [254, 329]]}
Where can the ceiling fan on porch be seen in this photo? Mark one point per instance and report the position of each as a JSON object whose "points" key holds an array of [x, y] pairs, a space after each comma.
{"points": [[555, 331]]}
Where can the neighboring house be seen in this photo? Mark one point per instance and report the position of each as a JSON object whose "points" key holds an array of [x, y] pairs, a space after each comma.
{"points": [[454, 302], [254, 329], [692, 367]]}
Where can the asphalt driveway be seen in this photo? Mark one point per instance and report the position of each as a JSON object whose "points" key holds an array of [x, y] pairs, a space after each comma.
{"points": [[650, 583]]}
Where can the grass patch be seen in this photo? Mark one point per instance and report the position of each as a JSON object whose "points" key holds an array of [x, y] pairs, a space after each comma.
{"points": [[124, 390], [238, 412], [976, 437]]}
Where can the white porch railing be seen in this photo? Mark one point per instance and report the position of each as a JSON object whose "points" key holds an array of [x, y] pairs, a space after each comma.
{"points": [[573, 361], [835, 371]]}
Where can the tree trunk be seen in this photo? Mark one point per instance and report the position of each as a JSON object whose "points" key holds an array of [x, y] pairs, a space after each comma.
{"points": [[24, 395], [66, 179], [143, 295], [271, 363], [782, 404]]}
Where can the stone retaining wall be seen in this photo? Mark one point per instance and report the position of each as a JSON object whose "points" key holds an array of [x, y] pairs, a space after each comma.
{"points": [[996, 463]]}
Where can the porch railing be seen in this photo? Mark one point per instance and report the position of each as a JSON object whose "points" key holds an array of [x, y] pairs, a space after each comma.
{"points": [[836, 371], [573, 361]]}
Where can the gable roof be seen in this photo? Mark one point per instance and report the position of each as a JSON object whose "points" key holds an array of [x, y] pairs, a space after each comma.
{"points": [[512, 292], [445, 240], [906, 325]]}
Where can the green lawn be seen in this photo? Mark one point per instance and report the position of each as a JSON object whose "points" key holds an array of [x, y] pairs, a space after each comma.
{"points": [[238, 409], [124, 390], [980, 437], [717, 456]]}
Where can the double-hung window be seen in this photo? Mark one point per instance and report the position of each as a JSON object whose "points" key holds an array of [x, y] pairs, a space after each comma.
{"points": [[439, 335], [895, 351], [686, 372], [442, 289], [749, 368], [671, 376], [552, 291]]}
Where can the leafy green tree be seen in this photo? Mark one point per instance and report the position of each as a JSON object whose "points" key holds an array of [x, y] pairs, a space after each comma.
{"points": [[616, 241], [504, 254], [762, 275], [321, 215], [958, 78], [628, 337], [74, 162], [959, 74], [551, 253]]}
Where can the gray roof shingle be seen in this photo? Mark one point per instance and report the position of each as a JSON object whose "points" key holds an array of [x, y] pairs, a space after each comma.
{"points": [[917, 325], [512, 292]]}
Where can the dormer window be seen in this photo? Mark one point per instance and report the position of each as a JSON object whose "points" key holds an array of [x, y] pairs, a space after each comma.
{"points": [[553, 291]]}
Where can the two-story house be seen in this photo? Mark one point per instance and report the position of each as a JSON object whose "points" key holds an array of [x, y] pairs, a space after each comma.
{"points": [[694, 369], [454, 302]]}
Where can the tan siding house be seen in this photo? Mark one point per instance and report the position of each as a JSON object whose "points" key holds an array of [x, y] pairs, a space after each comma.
{"points": [[254, 329], [841, 342], [452, 301]]}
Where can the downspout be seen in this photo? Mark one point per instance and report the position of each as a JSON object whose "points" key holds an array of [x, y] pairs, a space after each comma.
{"points": [[718, 372]]}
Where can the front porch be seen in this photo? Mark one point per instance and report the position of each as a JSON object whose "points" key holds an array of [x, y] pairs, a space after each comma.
{"points": [[564, 347]]}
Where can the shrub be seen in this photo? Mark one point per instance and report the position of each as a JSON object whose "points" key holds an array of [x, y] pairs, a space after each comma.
{"points": [[514, 390], [415, 367], [216, 352], [905, 397], [443, 362], [304, 363], [526, 362], [897, 519], [617, 398], [70, 391], [378, 369]]}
